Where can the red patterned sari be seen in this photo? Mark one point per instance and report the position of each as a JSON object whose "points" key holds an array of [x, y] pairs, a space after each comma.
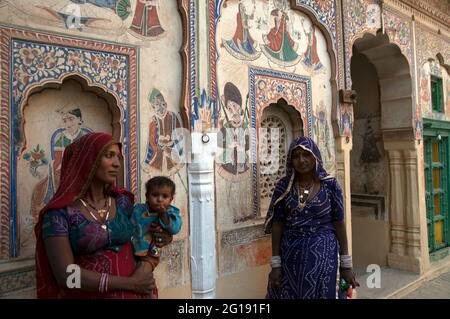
{"points": [[80, 163]]}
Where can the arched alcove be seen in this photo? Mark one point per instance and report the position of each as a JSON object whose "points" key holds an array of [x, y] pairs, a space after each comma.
{"points": [[280, 124], [53, 116], [394, 80]]}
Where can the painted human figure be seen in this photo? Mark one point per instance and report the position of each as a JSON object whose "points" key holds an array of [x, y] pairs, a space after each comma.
{"points": [[235, 140], [425, 92], [279, 47], [242, 45], [310, 57], [322, 132], [146, 20], [120, 7], [370, 152], [347, 122], [72, 17], [418, 125], [60, 139], [163, 138]]}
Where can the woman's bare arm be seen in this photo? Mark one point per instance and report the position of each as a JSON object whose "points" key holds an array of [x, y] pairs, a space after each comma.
{"points": [[341, 235], [60, 256], [277, 231]]}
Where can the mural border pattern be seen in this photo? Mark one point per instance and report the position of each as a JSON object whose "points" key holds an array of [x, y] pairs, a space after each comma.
{"points": [[10, 116]]}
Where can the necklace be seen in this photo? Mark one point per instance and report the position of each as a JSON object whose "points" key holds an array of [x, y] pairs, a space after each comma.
{"points": [[303, 193], [100, 212], [104, 210]]}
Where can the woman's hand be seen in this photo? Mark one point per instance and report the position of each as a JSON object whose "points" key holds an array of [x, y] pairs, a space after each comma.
{"points": [[275, 277], [349, 276], [162, 238], [143, 281]]}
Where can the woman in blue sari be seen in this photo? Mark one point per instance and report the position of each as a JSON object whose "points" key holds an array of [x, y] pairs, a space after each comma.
{"points": [[306, 218]]}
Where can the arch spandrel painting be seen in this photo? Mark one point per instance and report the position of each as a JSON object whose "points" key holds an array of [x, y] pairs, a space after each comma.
{"points": [[272, 34], [138, 18], [53, 119], [269, 51], [433, 68]]}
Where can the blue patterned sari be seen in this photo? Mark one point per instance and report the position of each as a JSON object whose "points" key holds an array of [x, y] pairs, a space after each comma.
{"points": [[309, 247]]}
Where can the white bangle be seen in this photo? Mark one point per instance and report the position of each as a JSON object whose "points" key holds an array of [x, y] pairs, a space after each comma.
{"points": [[275, 262], [346, 261]]}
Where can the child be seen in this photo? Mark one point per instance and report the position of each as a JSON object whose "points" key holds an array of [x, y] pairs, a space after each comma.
{"points": [[157, 209]]}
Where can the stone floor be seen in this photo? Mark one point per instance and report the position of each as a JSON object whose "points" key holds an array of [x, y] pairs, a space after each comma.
{"points": [[437, 288], [395, 284]]}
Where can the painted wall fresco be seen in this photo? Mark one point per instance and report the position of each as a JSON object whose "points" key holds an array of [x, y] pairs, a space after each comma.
{"points": [[368, 161], [361, 16], [236, 140], [60, 116], [151, 27], [399, 29], [165, 146], [243, 248], [268, 51], [30, 63], [429, 46], [135, 18], [433, 68]]}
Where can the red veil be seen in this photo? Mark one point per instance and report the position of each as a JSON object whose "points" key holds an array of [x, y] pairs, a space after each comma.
{"points": [[80, 161]]}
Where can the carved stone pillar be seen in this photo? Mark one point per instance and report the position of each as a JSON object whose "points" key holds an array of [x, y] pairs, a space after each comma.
{"points": [[412, 204], [396, 201], [409, 249], [202, 216]]}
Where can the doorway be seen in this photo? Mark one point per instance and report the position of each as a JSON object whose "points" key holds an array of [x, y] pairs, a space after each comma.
{"points": [[437, 179]]}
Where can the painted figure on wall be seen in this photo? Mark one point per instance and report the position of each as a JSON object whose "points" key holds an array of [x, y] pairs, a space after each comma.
{"points": [[418, 123], [242, 45], [75, 15], [73, 129], [322, 132], [346, 120], [121, 7], [279, 47], [146, 20], [370, 152], [425, 90], [310, 57], [164, 142], [234, 132]]}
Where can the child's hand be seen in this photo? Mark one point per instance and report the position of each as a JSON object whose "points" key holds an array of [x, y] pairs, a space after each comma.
{"points": [[162, 214], [161, 237]]}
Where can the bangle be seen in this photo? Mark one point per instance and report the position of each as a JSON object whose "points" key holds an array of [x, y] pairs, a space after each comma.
{"points": [[103, 285], [346, 261], [275, 262]]}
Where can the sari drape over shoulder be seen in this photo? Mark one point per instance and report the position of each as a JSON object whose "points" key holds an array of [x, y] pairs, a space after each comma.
{"points": [[80, 162], [309, 247]]}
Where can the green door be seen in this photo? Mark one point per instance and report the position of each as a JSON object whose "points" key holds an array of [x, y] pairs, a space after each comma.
{"points": [[436, 151]]}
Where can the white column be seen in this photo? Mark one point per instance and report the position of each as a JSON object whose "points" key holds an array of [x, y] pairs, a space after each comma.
{"points": [[202, 216]]}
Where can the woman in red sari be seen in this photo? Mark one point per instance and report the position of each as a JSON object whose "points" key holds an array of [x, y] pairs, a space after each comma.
{"points": [[86, 223]]}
